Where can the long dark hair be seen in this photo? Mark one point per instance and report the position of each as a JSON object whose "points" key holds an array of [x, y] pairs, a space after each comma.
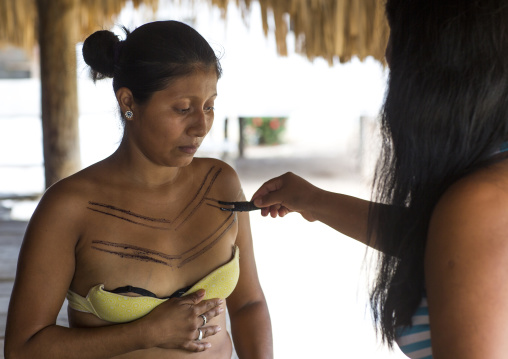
{"points": [[445, 114], [149, 58]]}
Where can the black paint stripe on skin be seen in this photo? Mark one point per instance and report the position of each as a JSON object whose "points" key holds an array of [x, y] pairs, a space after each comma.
{"points": [[213, 205], [210, 245], [128, 220], [130, 213], [143, 254], [196, 195], [209, 236], [159, 220], [202, 198], [140, 216], [137, 249], [133, 256]]}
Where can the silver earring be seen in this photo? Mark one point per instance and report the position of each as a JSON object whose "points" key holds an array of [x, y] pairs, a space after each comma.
{"points": [[128, 114]]}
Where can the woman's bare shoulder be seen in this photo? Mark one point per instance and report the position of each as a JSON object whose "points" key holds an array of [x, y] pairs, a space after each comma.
{"points": [[465, 262], [484, 191], [207, 162], [67, 196], [227, 181], [471, 217]]}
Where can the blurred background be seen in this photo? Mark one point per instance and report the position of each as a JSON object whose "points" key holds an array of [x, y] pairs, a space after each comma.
{"points": [[279, 109]]}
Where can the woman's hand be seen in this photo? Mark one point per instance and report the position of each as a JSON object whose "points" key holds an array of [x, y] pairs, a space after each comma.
{"points": [[285, 194], [176, 324]]}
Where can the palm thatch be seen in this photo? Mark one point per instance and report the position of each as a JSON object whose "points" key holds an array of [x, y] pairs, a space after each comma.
{"points": [[19, 18], [18, 21], [335, 30]]}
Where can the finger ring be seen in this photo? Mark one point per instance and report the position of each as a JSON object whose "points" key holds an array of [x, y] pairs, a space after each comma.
{"points": [[204, 319], [200, 336]]}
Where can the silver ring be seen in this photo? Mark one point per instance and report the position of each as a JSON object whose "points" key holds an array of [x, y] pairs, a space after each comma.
{"points": [[200, 336], [204, 319]]}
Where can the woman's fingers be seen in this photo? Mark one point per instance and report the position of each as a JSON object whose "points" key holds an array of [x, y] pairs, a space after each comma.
{"points": [[197, 346], [274, 210], [267, 194], [285, 191], [189, 316], [283, 211], [208, 331], [265, 211], [269, 186], [193, 298], [285, 194], [209, 309]]}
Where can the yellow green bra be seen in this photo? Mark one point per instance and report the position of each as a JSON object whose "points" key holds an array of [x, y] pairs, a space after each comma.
{"points": [[117, 308]]}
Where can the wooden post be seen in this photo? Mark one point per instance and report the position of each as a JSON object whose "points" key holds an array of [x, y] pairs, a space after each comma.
{"points": [[57, 41]]}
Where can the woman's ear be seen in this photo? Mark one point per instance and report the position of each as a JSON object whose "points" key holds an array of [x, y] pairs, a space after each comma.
{"points": [[125, 100]]}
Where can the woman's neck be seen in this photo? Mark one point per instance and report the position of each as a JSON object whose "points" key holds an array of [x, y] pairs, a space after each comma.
{"points": [[140, 171]]}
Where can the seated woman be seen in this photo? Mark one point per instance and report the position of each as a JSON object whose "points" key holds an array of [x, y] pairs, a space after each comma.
{"points": [[137, 242]]}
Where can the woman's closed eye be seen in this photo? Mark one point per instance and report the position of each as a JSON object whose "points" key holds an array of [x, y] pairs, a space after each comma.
{"points": [[209, 109]]}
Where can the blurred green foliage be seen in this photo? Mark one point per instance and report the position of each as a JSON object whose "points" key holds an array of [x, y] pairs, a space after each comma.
{"points": [[264, 130]]}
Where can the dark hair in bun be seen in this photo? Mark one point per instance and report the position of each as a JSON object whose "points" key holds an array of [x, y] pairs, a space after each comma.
{"points": [[99, 54], [150, 57]]}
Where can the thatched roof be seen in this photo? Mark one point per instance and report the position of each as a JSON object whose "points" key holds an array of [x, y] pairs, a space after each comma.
{"points": [[18, 18], [336, 30]]}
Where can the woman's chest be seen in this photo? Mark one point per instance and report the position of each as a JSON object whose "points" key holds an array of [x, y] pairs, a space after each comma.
{"points": [[160, 249]]}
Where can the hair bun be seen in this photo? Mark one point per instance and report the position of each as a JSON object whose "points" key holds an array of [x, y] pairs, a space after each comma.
{"points": [[99, 53]]}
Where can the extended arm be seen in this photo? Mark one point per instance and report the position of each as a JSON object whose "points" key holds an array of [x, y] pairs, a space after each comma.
{"points": [[291, 193]]}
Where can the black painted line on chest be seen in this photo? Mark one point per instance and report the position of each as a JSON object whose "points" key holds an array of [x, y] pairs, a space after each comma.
{"points": [[138, 257], [212, 243], [130, 213], [128, 220], [198, 198], [136, 249]]}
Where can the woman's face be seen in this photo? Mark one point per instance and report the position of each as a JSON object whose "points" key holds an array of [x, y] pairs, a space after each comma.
{"points": [[169, 128]]}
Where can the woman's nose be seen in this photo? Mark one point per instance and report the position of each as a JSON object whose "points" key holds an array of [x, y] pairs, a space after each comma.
{"points": [[199, 127]]}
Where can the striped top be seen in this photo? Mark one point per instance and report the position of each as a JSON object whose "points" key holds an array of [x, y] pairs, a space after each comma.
{"points": [[414, 341]]}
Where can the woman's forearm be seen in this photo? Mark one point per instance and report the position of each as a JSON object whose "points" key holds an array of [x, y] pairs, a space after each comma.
{"points": [[252, 331], [291, 193], [346, 214], [350, 215], [60, 342]]}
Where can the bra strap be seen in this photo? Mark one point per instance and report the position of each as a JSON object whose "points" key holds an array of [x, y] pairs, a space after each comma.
{"points": [[147, 293], [131, 289]]}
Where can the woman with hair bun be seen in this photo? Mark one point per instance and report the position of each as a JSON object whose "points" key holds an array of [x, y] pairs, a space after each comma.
{"points": [[138, 242]]}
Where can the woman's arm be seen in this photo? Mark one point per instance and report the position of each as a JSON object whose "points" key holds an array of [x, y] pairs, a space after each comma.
{"points": [[45, 270], [250, 320], [466, 271], [291, 193]]}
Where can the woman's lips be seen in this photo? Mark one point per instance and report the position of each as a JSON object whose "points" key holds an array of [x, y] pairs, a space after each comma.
{"points": [[188, 149]]}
